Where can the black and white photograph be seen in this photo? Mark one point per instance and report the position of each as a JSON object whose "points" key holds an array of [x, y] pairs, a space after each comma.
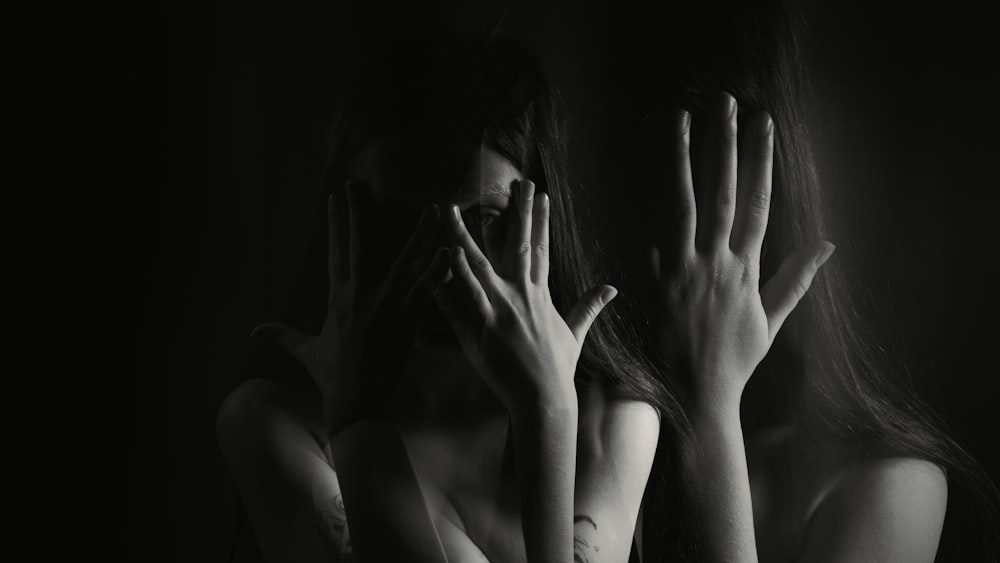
{"points": [[545, 282]]}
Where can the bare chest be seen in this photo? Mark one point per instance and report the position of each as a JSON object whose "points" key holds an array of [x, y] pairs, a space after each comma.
{"points": [[469, 483], [787, 483]]}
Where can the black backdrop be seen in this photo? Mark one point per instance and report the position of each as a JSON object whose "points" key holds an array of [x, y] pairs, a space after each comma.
{"points": [[236, 98]]}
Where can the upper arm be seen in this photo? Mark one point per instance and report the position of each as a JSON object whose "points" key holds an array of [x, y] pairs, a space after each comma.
{"points": [[889, 510], [616, 446]]}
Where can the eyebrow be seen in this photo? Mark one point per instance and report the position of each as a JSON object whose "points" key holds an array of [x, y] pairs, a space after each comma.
{"points": [[492, 189]]}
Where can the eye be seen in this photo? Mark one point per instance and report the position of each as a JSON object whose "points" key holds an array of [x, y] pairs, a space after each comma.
{"points": [[484, 217]]}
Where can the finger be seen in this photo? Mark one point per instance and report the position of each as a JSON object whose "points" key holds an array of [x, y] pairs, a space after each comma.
{"points": [[683, 228], [582, 317], [417, 246], [469, 284], [434, 275], [337, 266], [654, 262], [716, 188], [789, 285], [453, 305], [359, 205], [288, 338], [517, 249], [463, 302], [540, 240], [753, 196], [478, 263]]}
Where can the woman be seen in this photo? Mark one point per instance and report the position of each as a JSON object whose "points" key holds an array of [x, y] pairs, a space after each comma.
{"points": [[829, 455], [406, 443]]}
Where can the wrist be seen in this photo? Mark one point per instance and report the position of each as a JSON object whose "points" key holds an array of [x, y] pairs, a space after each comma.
{"points": [[536, 402], [546, 408], [715, 422], [713, 396]]}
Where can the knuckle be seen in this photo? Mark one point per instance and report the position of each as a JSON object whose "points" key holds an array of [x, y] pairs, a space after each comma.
{"points": [[728, 133], [800, 287], [725, 197], [524, 248], [685, 211], [478, 261], [749, 275], [541, 250], [759, 200], [682, 149]]}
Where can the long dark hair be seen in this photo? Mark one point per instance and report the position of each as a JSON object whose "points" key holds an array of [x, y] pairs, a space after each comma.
{"points": [[827, 372], [463, 91]]}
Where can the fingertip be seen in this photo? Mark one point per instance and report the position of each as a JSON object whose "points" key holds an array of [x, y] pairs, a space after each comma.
{"points": [[255, 333], [457, 254], [824, 253], [609, 293], [728, 104], [264, 332], [683, 122]]}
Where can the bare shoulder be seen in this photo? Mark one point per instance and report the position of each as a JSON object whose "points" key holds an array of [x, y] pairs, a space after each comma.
{"points": [[888, 509], [909, 489], [904, 476], [616, 445], [611, 425]]}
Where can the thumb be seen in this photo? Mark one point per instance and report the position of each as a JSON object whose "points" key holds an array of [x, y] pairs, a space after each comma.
{"points": [[587, 308], [782, 293], [290, 339]]}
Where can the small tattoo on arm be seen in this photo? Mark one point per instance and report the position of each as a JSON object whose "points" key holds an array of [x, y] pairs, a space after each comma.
{"points": [[333, 527], [583, 532]]}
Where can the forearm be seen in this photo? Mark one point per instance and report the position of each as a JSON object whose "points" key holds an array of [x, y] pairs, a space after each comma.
{"points": [[717, 480], [389, 519], [545, 465]]}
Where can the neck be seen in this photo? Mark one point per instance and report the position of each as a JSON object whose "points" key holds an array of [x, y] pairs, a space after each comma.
{"points": [[442, 384]]}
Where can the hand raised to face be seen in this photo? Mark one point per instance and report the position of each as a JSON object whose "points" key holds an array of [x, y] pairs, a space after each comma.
{"points": [[716, 321], [504, 316], [359, 353]]}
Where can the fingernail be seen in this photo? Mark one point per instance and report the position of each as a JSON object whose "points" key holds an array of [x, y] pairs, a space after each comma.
{"points": [[825, 255], [528, 190], [729, 104], [685, 121], [456, 213], [609, 294]]}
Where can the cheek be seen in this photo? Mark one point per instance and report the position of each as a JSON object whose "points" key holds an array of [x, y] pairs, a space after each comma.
{"points": [[493, 240]]}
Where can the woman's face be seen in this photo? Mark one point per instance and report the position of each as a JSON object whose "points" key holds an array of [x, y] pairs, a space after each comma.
{"points": [[404, 176]]}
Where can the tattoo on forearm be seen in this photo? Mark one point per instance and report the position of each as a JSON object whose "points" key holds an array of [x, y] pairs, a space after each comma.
{"points": [[583, 532], [333, 527]]}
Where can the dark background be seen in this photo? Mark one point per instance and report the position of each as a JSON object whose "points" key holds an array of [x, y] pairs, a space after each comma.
{"points": [[236, 98]]}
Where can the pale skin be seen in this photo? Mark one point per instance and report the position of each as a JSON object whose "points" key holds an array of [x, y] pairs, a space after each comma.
{"points": [[426, 466], [775, 497]]}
